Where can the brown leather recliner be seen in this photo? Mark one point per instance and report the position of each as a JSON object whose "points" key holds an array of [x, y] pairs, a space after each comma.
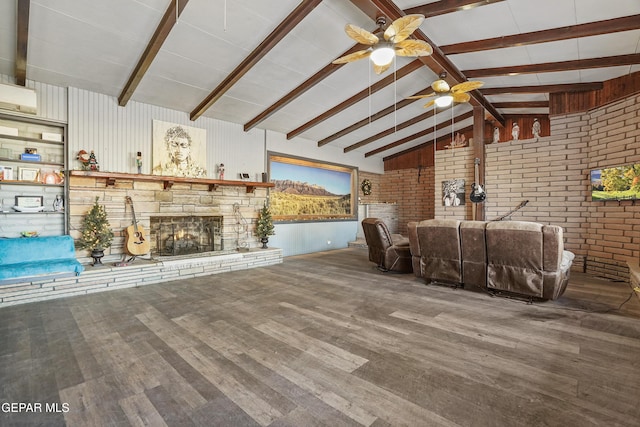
{"points": [[389, 251]]}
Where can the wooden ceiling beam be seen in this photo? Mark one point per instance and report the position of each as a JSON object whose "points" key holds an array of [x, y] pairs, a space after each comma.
{"points": [[22, 41], [522, 104], [367, 120], [437, 61], [626, 23], [163, 29], [550, 67], [281, 31], [447, 6], [574, 87], [417, 135], [432, 9], [363, 94], [302, 88], [412, 121]]}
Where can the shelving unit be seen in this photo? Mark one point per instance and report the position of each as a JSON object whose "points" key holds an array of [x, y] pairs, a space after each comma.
{"points": [[29, 178]]}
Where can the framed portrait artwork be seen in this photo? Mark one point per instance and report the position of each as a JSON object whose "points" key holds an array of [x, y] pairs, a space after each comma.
{"points": [[453, 193], [179, 150], [309, 190]]}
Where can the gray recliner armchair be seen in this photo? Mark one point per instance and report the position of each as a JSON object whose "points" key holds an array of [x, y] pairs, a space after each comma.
{"points": [[389, 251]]}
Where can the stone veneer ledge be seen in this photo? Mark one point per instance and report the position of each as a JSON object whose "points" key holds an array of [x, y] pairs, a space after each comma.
{"points": [[138, 273]]}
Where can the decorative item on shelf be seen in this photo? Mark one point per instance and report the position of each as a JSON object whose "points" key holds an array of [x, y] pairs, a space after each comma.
{"points": [[93, 162], [95, 232], [28, 204], [365, 186], [496, 135], [139, 161], [515, 131], [58, 203], [28, 174], [50, 176], [535, 129], [6, 173], [30, 156], [221, 171], [83, 157], [458, 141], [264, 227], [48, 136]]}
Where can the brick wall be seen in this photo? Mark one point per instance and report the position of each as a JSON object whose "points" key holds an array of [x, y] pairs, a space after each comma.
{"points": [[413, 194], [612, 232], [375, 196], [453, 164], [552, 173]]}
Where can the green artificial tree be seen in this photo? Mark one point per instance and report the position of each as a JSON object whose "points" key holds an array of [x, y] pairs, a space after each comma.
{"points": [[96, 234], [264, 227]]}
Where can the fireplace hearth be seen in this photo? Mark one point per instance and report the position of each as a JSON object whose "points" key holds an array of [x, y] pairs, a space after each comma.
{"points": [[185, 235]]}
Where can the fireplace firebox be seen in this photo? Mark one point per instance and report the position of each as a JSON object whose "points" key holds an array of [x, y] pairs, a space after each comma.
{"points": [[184, 235]]}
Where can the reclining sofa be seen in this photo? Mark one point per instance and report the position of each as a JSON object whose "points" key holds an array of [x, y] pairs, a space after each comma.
{"points": [[514, 257]]}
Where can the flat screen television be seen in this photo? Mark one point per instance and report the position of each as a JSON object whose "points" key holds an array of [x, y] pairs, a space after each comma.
{"points": [[616, 183]]}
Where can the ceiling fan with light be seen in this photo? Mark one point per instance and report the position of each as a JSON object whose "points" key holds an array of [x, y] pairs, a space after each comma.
{"points": [[384, 45], [446, 95]]}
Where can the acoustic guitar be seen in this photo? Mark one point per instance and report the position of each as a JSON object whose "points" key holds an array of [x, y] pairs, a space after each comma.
{"points": [[478, 194], [136, 244]]}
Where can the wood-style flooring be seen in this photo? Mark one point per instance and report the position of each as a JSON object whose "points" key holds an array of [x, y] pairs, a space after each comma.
{"points": [[322, 340]]}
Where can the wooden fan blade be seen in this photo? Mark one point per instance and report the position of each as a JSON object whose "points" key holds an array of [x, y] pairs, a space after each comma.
{"points": [[353, 57], [430, 103], [403, 27], [460, 97], [413, 48], [466, 86], [361, 35], [440, 86], [379, 69], [421, 96]]}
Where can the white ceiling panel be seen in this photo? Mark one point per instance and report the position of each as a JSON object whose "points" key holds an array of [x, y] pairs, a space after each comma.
{"points": [[96, 44]]}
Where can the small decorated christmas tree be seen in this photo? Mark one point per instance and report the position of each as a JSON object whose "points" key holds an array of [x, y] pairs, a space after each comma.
{"points": [[96, 233], [264, 227]]}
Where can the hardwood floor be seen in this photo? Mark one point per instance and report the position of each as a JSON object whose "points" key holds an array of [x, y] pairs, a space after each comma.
{"points": [[323, 340]]}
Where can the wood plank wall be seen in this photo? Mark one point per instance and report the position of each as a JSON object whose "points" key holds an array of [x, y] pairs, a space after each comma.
{"points": [[559, 104], [612, 90]]}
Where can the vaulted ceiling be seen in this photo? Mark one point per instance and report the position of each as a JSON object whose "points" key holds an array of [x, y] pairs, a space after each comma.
{"points": [[268, 64]]}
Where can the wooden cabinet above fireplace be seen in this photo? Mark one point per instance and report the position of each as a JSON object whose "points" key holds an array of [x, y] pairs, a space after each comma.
{"points": [[168, 181]]}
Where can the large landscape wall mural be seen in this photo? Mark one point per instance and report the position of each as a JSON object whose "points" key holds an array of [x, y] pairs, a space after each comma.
{"points": [[307, 190]]}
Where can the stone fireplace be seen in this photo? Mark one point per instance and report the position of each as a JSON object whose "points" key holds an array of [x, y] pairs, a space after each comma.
{"points": [[180, 216], [184, 235]]}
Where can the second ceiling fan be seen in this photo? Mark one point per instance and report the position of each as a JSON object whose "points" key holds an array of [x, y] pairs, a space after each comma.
{"points": [[445, 95], [385, 44]]}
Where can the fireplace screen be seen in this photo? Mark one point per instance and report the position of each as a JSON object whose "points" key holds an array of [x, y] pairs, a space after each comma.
{"points": [[183, 235]]}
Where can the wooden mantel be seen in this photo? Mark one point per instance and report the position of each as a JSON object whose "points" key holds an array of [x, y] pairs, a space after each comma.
{"points": [[168, 181]]}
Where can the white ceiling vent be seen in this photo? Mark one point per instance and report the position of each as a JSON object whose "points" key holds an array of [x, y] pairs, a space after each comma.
{"points": [[18, 98]]}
